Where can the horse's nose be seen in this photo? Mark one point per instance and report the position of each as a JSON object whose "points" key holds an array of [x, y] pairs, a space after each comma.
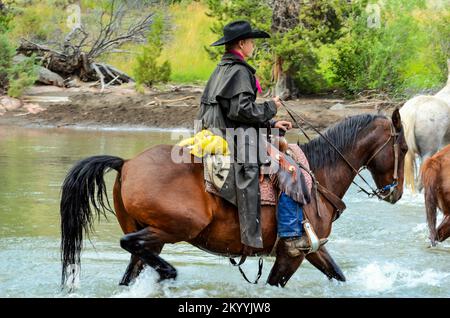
{"points": [[394, 197]]}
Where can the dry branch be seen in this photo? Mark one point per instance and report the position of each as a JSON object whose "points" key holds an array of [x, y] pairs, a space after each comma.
{"points": [[76, 57]]}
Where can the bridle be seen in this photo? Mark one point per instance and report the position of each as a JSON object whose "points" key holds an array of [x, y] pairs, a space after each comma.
{"points": [[390, 187], [372, 192]]}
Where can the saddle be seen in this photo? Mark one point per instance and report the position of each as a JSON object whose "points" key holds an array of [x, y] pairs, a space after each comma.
{"points": [[282, 175], [293, 177]]}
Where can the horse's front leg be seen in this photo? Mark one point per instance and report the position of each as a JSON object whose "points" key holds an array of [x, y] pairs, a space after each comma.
{"points": [[284, 267], [133, 270], [323, 261], [443, 230]]}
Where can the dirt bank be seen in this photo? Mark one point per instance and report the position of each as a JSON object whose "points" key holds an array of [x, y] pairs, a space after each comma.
{"points": [[167, 107]]}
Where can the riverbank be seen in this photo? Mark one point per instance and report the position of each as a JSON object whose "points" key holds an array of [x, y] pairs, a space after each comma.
{"points": [[169, 107]]}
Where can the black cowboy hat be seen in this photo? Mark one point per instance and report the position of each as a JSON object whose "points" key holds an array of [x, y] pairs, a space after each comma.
{"points": [[239, 30]]}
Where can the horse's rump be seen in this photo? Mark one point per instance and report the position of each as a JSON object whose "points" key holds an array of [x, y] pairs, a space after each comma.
{"points": [[161, 186]]}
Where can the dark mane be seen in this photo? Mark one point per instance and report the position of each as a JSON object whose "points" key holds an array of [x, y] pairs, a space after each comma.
{"points": [[343, 135]]}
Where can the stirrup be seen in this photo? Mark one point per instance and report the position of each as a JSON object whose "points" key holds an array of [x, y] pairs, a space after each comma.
{"points": [[314, 241], [294, 248]]}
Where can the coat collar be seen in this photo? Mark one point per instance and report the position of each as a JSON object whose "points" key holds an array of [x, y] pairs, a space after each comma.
{"points": [[230, 58]]}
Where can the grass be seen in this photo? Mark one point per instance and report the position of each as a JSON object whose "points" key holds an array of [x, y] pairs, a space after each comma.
{"points": [[185, 52], [184, 48]]}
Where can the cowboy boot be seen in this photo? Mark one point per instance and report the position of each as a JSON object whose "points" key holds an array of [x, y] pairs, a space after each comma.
{"points": [[296, 245]]}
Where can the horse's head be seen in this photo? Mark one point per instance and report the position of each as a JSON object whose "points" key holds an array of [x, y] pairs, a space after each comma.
{"points": [[386, 161]]}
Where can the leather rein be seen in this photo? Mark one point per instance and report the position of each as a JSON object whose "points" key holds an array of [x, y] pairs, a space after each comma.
{"points": [[372, 192]]}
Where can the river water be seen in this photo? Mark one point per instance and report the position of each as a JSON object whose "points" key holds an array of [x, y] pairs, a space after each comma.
{"points": [[381, 248]]}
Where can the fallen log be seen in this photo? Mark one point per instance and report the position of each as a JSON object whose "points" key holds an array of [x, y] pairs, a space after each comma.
{"points": [[78, 64]]}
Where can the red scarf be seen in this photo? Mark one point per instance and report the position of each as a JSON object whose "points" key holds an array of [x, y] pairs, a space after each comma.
{"points": [[238, 54]]}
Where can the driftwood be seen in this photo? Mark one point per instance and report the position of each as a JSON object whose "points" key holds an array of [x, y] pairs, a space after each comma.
{"points": [[78, 51], [80, 65], [160, 102], [45, 99], [174, 100]]}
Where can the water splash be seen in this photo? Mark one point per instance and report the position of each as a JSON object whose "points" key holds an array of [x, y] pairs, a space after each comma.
{"points": [[388, 277], [145, 286]]}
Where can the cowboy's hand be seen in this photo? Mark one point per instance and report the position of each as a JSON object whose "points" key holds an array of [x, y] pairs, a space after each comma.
{"points": [[277, 101], [283, 124]]}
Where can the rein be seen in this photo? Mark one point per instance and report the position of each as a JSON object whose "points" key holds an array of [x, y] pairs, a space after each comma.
{"points": [[373, 192]]}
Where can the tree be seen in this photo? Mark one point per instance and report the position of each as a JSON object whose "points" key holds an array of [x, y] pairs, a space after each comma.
{"points": [[14, 77], [147, 70], [288, 60], [285, 17]]}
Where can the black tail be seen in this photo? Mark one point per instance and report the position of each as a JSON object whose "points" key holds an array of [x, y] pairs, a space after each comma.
{"points": [[78, 193]]}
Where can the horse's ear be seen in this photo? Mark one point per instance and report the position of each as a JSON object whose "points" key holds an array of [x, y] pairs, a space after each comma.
{"points": [[396, 120]]}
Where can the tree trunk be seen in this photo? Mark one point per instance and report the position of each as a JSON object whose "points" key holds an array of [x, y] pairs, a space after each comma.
{"points": [[284, 18]]}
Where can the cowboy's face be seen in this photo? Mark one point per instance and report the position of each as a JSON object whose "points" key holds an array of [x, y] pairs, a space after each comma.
{"points": [[247, 46]]}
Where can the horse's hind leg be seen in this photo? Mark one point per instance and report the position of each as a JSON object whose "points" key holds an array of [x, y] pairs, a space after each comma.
{"points": [[147, 244], [133, 270], [128, 225]]}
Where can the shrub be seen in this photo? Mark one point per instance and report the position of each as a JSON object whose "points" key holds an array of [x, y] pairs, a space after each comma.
{"points": [[21, 76], [6, 55], [404, 56], [15, 77], [147, 71]]}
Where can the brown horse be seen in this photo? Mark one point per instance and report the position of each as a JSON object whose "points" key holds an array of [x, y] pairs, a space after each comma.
{"points": [[157, 201], [435, 174]]}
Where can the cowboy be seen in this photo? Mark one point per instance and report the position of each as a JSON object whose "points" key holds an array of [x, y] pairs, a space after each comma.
{"points": [[228, 102]]}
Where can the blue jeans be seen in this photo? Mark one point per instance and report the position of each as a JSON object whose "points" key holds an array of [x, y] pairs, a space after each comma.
{"points": [[289, 216]]}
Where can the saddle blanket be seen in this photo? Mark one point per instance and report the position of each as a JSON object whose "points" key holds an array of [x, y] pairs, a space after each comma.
{"points": [[269, 195]]}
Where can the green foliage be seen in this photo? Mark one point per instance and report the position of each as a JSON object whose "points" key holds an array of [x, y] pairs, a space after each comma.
{"points": [[41, 21], [147, 71], [398, 57], [21, 76], [15, 77], [334, 47], [320, 22], [257, 12], [299, 57], [5, 16], [6, 55]]}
